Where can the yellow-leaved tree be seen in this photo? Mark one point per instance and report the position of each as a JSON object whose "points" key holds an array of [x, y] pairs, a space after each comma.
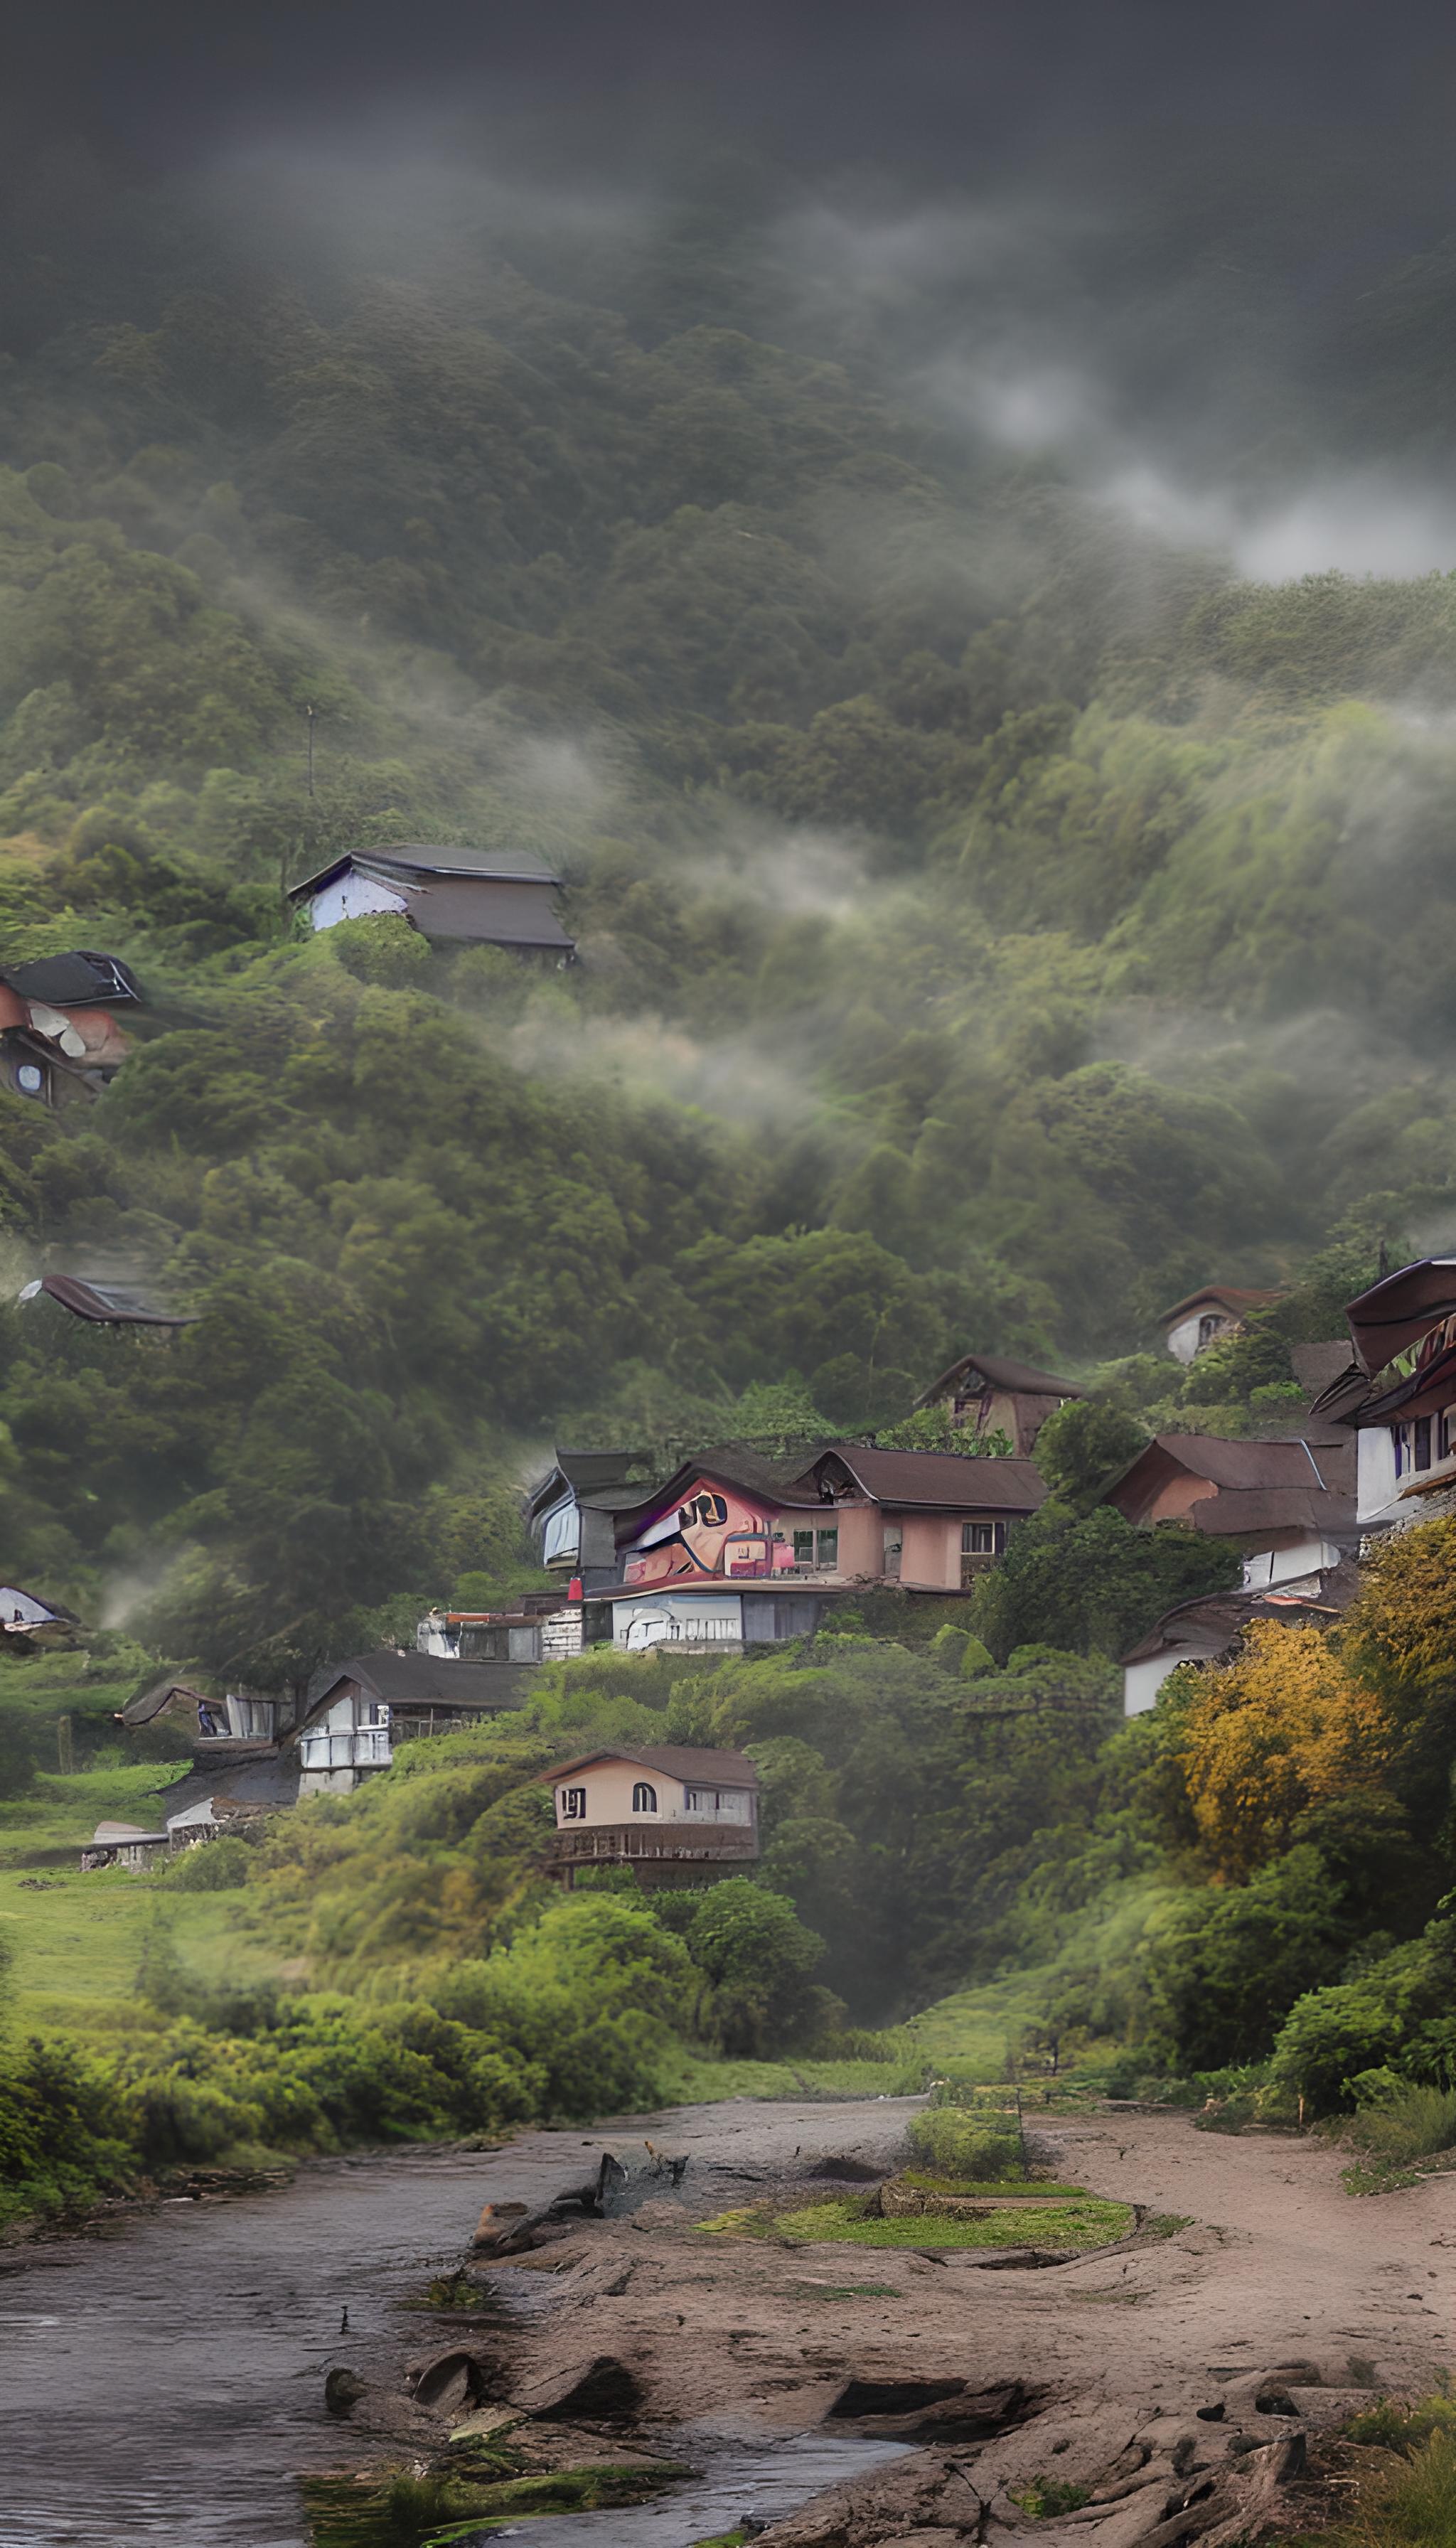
{"points": [[1283, 1726]]}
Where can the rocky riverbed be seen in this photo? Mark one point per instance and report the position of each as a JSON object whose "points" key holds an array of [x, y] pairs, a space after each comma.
{"points": [[167, 2380], [1167, 2388]]}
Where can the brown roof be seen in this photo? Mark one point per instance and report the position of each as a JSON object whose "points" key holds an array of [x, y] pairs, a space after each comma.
{"points": [[151, 1702], [1225, 1296], [1319, 1460], [1237, 1511], [1401, 1309], [673, 1759], [1021, 1379], [938, 1480]]}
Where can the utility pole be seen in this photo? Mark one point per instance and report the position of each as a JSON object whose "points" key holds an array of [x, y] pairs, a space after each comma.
{"points": [[308, 713]]}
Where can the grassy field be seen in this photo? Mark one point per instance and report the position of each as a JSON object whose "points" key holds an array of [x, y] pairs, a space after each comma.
{"points": [[967, 2038], [79, 1942]]}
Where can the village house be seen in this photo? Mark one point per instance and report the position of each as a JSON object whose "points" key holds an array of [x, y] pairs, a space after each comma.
{"points": [[666, 1810], [1397, 1395], [236, 1721], [536, 1628], [988, 1394], [732, 1551], [1210, 1629], [29, 1622], [1288, 1506], [1206, 1317], [479, 897], [358, 1712], [225, 1797], [59, 1041], [572, 1513]]}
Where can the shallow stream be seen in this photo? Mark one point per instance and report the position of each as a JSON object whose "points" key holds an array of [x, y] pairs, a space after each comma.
{"points": [[163, 2379]]}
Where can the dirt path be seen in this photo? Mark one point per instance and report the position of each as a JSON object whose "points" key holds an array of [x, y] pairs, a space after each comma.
{"points": [[1149, 2369]]}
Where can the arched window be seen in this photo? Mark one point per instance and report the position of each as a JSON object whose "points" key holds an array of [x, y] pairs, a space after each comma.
{"points": [[644, 1799]]}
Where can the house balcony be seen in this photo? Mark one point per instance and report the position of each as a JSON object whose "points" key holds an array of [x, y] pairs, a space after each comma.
{"points": [[629, 1843], [367, 1747]]}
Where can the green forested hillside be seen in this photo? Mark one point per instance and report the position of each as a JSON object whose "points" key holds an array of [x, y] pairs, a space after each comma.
{"points": [[993, 920]]}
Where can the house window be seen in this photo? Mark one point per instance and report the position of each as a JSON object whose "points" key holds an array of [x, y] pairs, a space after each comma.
{"points": [[982, 1538], [894, 1547], [573, 1804], [1423, 1441], [1208, 1328], [30, 1080], [816, 1547], [644, 1799], [1443, 1435]]}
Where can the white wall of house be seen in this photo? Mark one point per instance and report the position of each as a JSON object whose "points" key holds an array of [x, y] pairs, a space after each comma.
{"points": [[14, 1605], [1142, 1681], [1188, 1339], [351, 896], [1376, 1483], [351, 1738], [1269, 1567], [606, 1793], [679, 1618]]}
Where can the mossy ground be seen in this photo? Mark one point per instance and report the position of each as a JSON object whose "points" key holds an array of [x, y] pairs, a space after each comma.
{"points": [[400, 2510], [1086, 2221]]}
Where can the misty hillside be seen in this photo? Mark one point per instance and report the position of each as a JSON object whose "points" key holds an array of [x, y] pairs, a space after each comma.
{"points": [[997, 914]]}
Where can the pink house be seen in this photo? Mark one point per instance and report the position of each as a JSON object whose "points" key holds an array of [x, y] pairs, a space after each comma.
{"points": [[733, 1551]]}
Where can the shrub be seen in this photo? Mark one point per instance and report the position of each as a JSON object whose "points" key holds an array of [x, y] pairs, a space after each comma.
{"points": [[218, 1867], [954, 2143], [1412, 2124]]}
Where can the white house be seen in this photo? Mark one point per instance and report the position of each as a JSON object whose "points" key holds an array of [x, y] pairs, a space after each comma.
{"points": [[1399, 1395], [485, 897], [1191, 1325]]}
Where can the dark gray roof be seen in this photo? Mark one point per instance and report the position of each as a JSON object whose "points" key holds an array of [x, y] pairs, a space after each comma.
{"points": [[1021, 1379], [417, 859], [770, 1482], [80, 979], [273, 1781], [496, 911], [598, 1477], [424, 1680], [107, 1304], [151, 1702]]}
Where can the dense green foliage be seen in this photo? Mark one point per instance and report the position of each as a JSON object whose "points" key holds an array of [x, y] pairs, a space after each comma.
{"points": [[901, 817]]}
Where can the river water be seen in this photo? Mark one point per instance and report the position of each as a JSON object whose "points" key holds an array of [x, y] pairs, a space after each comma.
{"points": [[163, 2379]]}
